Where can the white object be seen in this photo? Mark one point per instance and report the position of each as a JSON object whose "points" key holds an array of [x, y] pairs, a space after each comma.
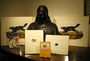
{"points": [[32, 41], [7, 22], [59, 44], [66, 21]]}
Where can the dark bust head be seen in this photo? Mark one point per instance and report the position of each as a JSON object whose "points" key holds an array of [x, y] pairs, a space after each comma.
{"points": [[42, 14], [42, 11]]}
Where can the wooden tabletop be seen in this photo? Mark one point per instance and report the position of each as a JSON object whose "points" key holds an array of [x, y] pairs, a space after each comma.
{"points": [[75, 54]]}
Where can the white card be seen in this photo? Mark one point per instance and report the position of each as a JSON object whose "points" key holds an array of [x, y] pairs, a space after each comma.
{"points": [[32, 41], [59, 44]]}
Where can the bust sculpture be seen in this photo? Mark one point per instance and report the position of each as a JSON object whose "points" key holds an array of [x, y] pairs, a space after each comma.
{"points": [[43, 22]]}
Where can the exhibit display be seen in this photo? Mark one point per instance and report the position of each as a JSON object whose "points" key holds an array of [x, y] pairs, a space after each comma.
{"points": [[41, 36], [78, 35], [55, 33]]}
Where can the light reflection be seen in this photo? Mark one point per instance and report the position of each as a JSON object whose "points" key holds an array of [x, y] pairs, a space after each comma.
{"points": [[21, 53], [27, 55], [66, 58]]}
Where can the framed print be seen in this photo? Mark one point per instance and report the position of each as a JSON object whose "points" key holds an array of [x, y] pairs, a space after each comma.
{"points": [[45, 49], [76, 27], [32, 41], [13, 26], [59, 44]]}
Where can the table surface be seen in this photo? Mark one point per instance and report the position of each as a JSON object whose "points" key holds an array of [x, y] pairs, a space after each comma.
{"points": [[74, 54]]}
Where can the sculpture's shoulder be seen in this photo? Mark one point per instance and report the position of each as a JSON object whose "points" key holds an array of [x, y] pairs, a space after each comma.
{"points": [[53, 24], [33, 23], [31, 26]]}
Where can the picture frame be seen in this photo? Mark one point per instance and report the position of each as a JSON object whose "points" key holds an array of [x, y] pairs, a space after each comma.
{"points": [[12, 22], [80, 38], [32, 41], [59, 44]]}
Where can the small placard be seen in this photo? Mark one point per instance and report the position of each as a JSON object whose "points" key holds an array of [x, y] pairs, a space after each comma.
{"points": [[45, 49]]}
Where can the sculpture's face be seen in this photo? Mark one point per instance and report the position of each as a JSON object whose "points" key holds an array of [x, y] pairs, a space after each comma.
{"points": [[42, 12]]}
